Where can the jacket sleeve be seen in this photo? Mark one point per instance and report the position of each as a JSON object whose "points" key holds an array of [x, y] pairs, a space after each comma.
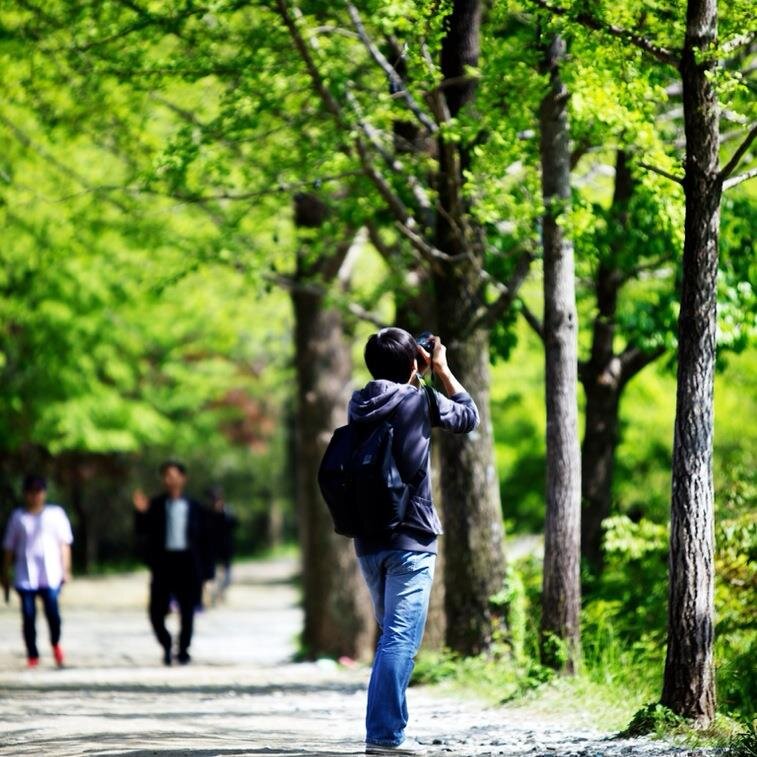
{"points": [[142, 522], [457, 413], [144, 527]]}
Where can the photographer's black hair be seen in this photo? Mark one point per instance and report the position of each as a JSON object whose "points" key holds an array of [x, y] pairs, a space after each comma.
{"points": [[389, 354], [173, 464]]}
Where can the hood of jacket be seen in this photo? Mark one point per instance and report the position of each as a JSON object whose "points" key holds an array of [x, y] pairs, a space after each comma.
{"points": [[376, 400]]}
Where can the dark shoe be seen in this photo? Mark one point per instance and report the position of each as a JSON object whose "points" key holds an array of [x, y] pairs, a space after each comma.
{"points": [[184, 658], [166, 656], [408, 746]]}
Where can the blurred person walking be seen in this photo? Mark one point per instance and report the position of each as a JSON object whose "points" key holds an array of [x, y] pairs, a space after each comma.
{"points": [[170, 530], [222, 522], [37, 544]]}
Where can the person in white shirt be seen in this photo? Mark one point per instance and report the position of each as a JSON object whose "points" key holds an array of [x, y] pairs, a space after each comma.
{"points": [[37, 544], [172, 531]]}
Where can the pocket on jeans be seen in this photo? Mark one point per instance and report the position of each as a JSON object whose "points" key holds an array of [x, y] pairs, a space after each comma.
{"points": [[421, 515]]}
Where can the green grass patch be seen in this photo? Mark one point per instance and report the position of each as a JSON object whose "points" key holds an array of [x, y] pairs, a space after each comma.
{"points": [[724, 732], [603, 702]]}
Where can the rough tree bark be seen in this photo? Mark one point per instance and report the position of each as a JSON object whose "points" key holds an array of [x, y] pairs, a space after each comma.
{"points": [[474, 558], [338, 617], [689, 683], [561, 596]]}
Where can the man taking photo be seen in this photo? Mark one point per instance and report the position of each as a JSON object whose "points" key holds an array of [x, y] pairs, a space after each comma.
{"points": [[398, 565]]}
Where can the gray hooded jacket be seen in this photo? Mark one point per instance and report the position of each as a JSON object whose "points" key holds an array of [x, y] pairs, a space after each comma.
{"points": [[412, 416]]}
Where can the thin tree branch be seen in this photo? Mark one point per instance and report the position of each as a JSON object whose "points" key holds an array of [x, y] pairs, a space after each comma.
{"points": [[366, 315], [61, 167], [662, 54], [580, 149], [633, 359], [738, 154], [652, 265], [396, 205], [736, 180], [396, 82], [740, 40], [169, 24], [419, 192], [489, 314], [387, 253], [532, 319], [427, 251], [308, 287], [190, 198], [661, 172], [326, 29], [315, 75]]}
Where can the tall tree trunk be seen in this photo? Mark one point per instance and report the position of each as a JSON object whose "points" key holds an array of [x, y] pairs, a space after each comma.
{"points": [[338, 616], [689, 683], [474, 559], [474, 556], [561, 597], [601, 378], [598, 463]]}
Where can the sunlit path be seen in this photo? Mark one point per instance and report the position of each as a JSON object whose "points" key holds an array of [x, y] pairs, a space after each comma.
{"points": [[241, 696]]}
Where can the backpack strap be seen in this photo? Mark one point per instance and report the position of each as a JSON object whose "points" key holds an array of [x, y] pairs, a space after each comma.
{"points": [[434, 412], [433, 409], [433, 406]]}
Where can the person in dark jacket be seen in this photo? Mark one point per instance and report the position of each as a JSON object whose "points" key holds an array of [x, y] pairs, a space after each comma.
{"points": [[399, 566], [170, 532]]}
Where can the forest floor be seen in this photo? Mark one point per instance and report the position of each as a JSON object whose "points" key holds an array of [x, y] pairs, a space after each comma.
{"points": [[242, 694]]}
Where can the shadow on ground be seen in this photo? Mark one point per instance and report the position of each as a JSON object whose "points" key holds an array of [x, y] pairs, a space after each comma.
{"points": [[195, 690]]}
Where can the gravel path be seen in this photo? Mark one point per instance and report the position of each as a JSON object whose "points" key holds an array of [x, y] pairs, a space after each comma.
{"points": [[240, 696]]}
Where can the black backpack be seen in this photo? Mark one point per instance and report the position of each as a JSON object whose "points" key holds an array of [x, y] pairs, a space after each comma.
{"points": [[360, 481]]}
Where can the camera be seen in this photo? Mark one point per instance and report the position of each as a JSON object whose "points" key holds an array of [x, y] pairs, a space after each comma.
{"points": [[426, 340]]}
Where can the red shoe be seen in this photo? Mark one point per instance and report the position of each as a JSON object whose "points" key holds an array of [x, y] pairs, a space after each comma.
{"points": [[32, 662], [58, 655]]}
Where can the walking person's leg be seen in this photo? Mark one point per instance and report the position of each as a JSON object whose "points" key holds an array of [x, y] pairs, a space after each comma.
{"points": [[226, 582], [188, 589], [28, 599], [222, 582], [159, 597], [407, 579], [52, 613]]}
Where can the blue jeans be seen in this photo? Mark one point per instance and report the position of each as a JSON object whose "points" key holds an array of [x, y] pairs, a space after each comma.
{"points": [[29, 616], [400, 586]]}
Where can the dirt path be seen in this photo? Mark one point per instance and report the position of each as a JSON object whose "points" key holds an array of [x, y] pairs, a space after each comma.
{"points": [[240, 696]]}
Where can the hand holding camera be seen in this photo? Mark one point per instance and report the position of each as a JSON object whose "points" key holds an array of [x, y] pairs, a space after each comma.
{"points": [[433, 354]]}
